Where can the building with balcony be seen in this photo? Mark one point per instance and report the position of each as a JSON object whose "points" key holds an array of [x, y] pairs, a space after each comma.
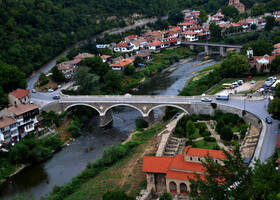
{"points": [[8, 129], [25, 116]]}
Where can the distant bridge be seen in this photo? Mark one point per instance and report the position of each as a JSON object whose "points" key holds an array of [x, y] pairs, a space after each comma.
{"points": [[208, 47]]}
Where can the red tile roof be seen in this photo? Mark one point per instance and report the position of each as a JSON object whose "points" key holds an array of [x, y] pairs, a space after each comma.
{"points": [[22, 108], [105, 56], [6, 121], [64, 66], [256, 58], [182, 175], [132, 36], [278, 161], [177, 28], [123, 44], [188, 33], [203, 152], [123, 63], [20, 93], [277, 46], [155, 43], [156, 164], [180, 163], [83, 55]]}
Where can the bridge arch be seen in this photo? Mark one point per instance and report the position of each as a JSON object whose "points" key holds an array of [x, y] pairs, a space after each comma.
{"points": [[82, 104], [168, 105], [123, 104]]}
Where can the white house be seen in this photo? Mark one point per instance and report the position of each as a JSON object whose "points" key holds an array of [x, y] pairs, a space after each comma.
{"points": [[189, 36], [124, 47], [163, 43], [8, 129], [277, 15]]}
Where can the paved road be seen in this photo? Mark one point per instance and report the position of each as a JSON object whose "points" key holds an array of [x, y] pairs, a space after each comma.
{"points": [[257, 107]]}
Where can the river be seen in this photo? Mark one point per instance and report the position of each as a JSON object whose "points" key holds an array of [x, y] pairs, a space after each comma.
{"points": [[67, 163]]}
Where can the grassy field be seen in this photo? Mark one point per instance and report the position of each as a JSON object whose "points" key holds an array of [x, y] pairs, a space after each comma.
{"points": [[205, 145], [126, 174], [210, 68]]}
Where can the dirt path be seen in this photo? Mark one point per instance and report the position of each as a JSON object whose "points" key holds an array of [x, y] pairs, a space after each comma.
{"points": [[217, 136]]}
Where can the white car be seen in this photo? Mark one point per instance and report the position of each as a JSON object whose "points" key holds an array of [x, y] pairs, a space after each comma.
{"points": [[253, 82], [59, 86], [206, 99], [50, 90]]}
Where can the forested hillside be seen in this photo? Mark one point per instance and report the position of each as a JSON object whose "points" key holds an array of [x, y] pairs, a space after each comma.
{"points": [[32, 31]]}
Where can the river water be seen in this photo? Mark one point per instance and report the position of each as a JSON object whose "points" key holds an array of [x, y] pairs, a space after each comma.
{"points": [[67, 163]]}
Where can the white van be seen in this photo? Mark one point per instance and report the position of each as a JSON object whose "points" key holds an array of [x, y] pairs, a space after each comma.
{"points": [[222, 97]]}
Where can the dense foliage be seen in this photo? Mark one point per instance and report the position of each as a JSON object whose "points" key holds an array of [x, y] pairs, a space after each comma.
{"points": [[116, 195]]}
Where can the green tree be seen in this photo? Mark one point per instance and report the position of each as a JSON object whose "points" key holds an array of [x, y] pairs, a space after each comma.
{"points": [[216, 32], [116, 195], [3, 99], [226, 133], [129, 70], [260, 47], [57, 75], [190, 128], [97, 66], [11, 78], [43, 79], [85, 80], [253, 27], [141, 123], [230, 11], [234, 64], [61, 59], [270, 23], [165, 196], [274, 66], [138, 61], [222, 181], [203, 16], [113, 83], [274, 108], [175, 16]]}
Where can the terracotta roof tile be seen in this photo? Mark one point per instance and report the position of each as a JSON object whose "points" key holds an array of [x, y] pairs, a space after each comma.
{"points": [[123, 63], [179, 163], [84, 55], [6, 121], [22, 108], [278, 161], [20, 93], [105, 56], [156, 164], [277, 46], [203, 152], [182, 175], [188, 33], [256, 58]]}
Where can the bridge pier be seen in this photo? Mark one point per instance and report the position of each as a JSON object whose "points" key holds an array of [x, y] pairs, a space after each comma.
{"points": [[223, 52], [150, 118], [106, 119], [192, 47], [207, 50]]}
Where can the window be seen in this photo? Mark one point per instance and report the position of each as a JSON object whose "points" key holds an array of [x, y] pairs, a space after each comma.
{"points": [[198, 159], [216, 161], [151, 179], [190, 158]]}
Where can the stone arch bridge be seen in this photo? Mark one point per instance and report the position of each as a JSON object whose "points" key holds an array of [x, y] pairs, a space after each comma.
{"points": [[144, 104]]}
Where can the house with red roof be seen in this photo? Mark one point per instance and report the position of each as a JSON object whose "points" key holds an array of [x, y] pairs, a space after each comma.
{"points": [[124, 47], [174, 173], [164, 43], [131, 38], [118, 66], [277, 15], [19, 96], [189, 36], [261, 62]]}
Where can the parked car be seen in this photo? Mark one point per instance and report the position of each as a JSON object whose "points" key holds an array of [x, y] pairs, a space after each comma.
{"points": [[253, 82], [34, 91], [177, 115], [206, 99], [240, 82], [59, 86], [50, 90], [268, 120], [56, 97], [234, 85]]}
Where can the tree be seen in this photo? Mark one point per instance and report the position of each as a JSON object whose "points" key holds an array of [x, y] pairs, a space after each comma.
{"points": [[85, 80], [203, 16], [57, 75], [175, 16], [61, 59], [274, 66], [274, 108], [96, 66], [165, 196], [113, 83], [270, 23], [43, 79], [129, 70], [261, 47], [116, 195], [233, 179], [230, 11], [190, 128], [226, 133], [253, 27], [137, 62], [215, 32], [3, 99], [234, 64], [266, 180], [11, 78]]}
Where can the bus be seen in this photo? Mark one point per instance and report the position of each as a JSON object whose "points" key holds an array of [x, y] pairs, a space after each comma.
{"points": [[227, 85]]}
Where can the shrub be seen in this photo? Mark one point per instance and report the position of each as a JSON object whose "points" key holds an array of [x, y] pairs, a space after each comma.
{"points": [[209, 139], [214, 105], [206, 133], [75, 129], [141, 123], [165, 196], [117, 195]]}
